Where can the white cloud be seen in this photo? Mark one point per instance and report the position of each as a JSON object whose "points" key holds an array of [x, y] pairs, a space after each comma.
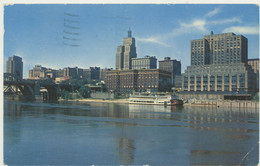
{"points": [[213, 12], [156, 40], [247, 30], [191, 27], [226, 21], [199, 24]]}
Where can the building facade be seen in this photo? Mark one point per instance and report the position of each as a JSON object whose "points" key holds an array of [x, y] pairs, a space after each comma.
{"points": [[254, 63], [178, 82], [103, 73], [219, 49], [120, 57], [14, 65], [235, 77], [219, 64], [144, 63], [127, 81], [125, 53], [172, 66], [38, 72], [93, 73], [73, 72]]}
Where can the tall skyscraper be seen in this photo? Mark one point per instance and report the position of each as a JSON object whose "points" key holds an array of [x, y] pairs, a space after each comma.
{"points": [[223, 48], [14, 66], [120, 57], [125, 53], [219, 64]]}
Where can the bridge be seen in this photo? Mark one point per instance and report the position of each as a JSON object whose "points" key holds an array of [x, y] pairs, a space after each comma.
{"points": [[30, 89]]}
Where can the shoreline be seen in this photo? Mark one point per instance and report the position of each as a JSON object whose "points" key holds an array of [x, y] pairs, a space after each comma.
{"points": [[219, 104], [121, 101]]}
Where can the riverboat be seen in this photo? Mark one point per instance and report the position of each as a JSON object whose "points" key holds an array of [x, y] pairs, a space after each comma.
{"points": [[155, 99]]}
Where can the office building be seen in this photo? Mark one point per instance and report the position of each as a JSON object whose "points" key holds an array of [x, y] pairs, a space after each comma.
{"points": [[235, 77], [50, 74], [120, 57], [14, 65], [59, 73], [172, 66], [178, 82], [127, 81], [74, 72], [103, 73], [125, 53], [87, 74], [38, 72], [219, 64], [69, 72], [93, 73], [254, 63], [219, 49], [144, 63]]}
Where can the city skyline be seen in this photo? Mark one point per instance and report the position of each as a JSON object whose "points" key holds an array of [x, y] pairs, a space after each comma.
{"points": [[159, 30]]}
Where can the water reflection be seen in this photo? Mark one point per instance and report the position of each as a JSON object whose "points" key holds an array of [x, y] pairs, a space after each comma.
{"points": [[199, 135], [124, 150]]}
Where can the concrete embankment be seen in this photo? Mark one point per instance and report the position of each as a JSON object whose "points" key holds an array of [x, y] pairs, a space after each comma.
{"points": [[227, 104], [122, 101]]}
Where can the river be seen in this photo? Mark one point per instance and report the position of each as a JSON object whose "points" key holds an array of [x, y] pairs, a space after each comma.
{"points": [[71, 133]]}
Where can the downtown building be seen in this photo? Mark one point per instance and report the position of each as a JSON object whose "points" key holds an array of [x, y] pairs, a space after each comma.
{"points": [[254, 64], [172, 66], [14, 66], [93, 73], [125, 53], [136, 74], [68, 73], [148, 62], [103, 73], [219, 64], [40, 72], [128, 81]]}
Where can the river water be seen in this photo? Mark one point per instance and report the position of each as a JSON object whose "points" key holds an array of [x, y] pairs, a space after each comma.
{"points": [[121, 134]]}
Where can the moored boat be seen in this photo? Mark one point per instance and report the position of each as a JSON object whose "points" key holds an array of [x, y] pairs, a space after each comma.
{"points": [[158, 99]]}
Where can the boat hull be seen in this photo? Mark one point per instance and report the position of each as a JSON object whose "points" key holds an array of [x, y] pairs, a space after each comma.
{"points": [[155, 101]]}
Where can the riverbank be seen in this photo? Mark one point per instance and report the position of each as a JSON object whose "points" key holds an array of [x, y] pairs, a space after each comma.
{"points": [[122, 101], [220, 103], [227, 104]]}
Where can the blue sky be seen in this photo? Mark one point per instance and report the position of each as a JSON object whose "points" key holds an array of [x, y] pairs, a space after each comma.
{"points": [[36, 32]]}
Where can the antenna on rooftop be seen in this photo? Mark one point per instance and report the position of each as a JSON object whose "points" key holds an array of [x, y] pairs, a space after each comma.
{"points": [[129, 33]]}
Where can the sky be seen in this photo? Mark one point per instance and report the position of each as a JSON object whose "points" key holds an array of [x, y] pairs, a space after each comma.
{"points": [[83, 35]]}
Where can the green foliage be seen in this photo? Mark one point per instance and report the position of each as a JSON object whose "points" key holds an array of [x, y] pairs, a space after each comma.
{"points": [[75, 82], [65, 94], [84, 91]]}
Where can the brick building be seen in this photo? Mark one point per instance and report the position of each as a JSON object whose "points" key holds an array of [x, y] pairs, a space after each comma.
{"points": [[127, 81]]}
